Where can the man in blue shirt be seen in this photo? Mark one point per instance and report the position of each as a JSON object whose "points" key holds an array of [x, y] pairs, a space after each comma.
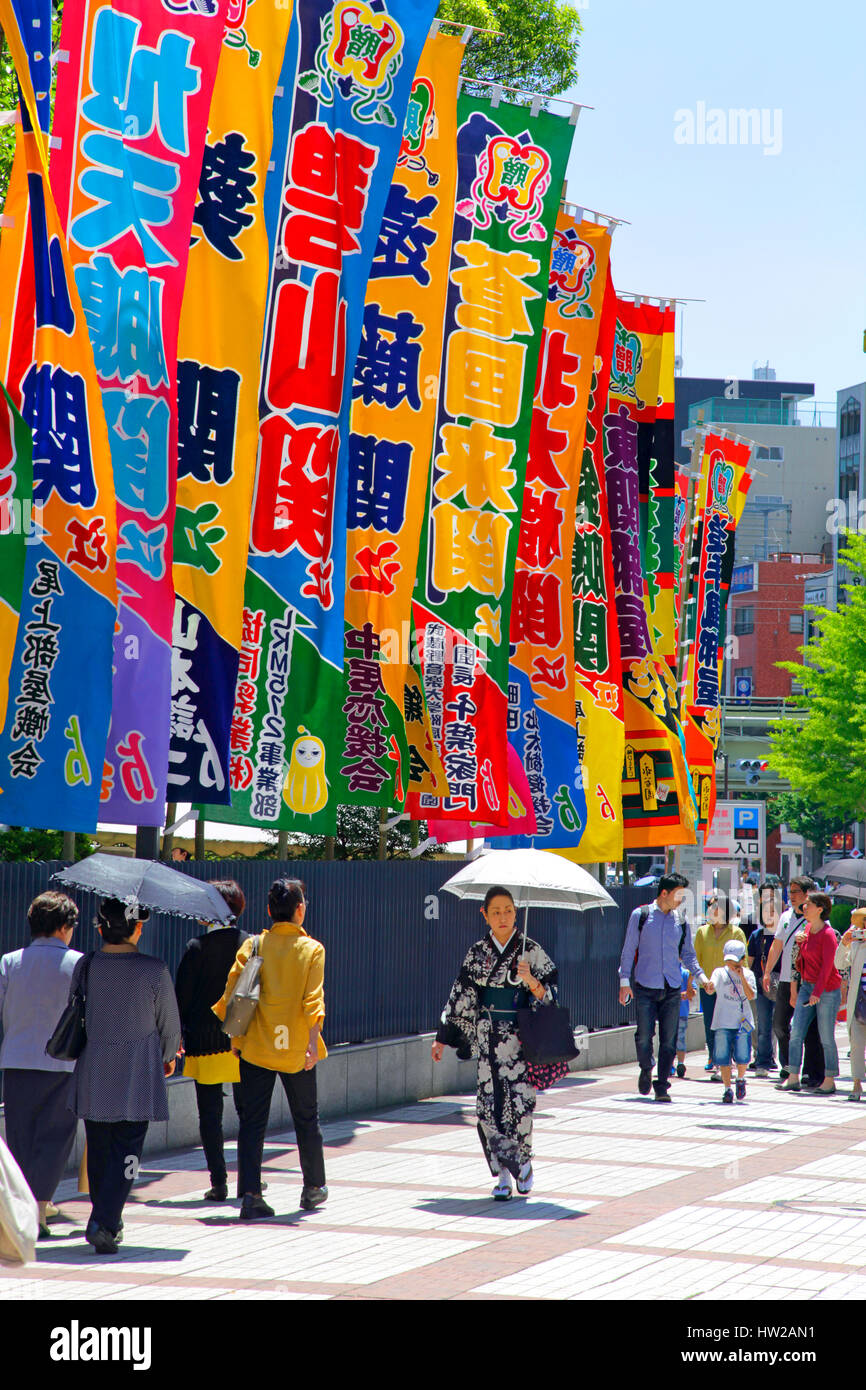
{"points": [[655, 954]]}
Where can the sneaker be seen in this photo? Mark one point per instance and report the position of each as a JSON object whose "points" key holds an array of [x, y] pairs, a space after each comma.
{"points": [[717, 1075], [709, 1067], [216, 1194], [502, 1190], [255, 1208], [312, 1197], [681, 1070], [103, 1242], [761, 1071], [645, 1082], [662, 1097], [728, 1097], [741, 1088], [525, 1180]]}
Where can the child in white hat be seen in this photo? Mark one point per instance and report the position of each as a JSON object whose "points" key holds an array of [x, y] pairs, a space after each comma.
{"points": [[733, 1020]]}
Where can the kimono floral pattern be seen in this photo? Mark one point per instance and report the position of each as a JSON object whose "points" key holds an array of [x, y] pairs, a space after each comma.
{"points": [[506, 1097]]}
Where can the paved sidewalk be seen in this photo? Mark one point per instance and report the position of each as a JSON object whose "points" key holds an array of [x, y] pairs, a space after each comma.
{"points": [[763, 1199]]}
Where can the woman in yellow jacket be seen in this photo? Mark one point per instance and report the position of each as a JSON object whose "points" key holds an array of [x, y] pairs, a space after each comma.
{"points": [[283, 1039]]}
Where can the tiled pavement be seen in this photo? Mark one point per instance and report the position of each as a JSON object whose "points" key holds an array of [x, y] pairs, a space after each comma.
{"points": [[760, 1200]]}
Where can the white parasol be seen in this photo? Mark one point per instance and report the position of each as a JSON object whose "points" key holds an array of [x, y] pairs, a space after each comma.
{"points": [[533, 877]]}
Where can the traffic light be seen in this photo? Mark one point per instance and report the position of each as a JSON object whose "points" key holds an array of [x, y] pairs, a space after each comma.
{"points": [[753, 767]]}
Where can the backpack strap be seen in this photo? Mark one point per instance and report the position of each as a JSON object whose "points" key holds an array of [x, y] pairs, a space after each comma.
{"points": [[641, 922]]}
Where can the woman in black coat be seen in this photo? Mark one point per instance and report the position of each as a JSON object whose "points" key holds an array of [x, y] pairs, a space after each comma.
{"points": [[201, 981]]}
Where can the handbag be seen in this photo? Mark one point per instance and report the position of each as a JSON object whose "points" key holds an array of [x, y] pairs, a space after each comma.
{"points": [[546, 1035], [244, 1000], [776, 973], [860, 1001], [66, 1043]]}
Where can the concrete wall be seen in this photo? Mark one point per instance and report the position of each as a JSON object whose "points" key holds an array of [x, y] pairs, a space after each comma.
{"points": [[370, 1076]]}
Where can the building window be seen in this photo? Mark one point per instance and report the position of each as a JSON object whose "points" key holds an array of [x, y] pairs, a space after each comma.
{"points": [[849, 418], [795, 622], [770, 453], [744, 620]]}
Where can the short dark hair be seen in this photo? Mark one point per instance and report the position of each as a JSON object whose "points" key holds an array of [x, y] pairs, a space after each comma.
{"points": [[724, 901], [669, 882], [822, 900], [804, 882], [50, 912], [497, 892], [285, 897], [116, 922], [232, 894]]}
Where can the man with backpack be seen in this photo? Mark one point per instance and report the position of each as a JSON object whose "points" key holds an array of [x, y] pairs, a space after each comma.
{"points": [[657, 945]]}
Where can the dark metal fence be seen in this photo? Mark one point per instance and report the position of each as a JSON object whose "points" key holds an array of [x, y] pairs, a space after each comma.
{"points": [[394, 941]]}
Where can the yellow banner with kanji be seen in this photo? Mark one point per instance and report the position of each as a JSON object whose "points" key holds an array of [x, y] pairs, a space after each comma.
{"points": [[393, 422]]}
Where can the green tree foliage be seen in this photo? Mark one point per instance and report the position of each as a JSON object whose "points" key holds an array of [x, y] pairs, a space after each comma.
{"points": [[840, 919], [357, 838], [824, 756], [538, 48], [9, 96], [802, 815], [36, 846]]}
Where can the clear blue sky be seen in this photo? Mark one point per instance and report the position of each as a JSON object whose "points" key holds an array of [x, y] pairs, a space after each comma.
{"points": [[776, 245]]}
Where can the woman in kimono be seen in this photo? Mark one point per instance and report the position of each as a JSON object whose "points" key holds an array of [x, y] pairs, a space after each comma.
{"points": [[480, 1020]]}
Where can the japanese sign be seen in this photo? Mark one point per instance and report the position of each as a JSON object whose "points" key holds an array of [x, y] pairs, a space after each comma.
{"points": [[658, 805], [598, 667], [737, 831], [346, 82], [16, 492], [542, 695], [131, 119], [53, 739], [719, 502], [510, 167], [218, 407], [394, 410]]}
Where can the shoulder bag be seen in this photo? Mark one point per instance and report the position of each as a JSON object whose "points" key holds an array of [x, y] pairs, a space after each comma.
{"points": [[776, 972], [244, 1000], [66, 1043], [546, 1035]]}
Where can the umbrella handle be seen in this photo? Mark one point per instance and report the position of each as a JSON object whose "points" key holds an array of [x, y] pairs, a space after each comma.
{"points": [[512, 977]]}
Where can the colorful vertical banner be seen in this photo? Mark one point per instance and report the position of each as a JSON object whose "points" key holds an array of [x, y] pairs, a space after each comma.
{"points": [[394, 409], [541, 687], [346, 79], [59, 688], [659, 554], [219, 351], [16, 493], [130, 118], [719, 502], [599, 715], [510, 168], [658, 805]]}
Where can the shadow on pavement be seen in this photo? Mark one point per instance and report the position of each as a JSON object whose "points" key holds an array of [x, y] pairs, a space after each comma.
{"points": [[515, 1210]]}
